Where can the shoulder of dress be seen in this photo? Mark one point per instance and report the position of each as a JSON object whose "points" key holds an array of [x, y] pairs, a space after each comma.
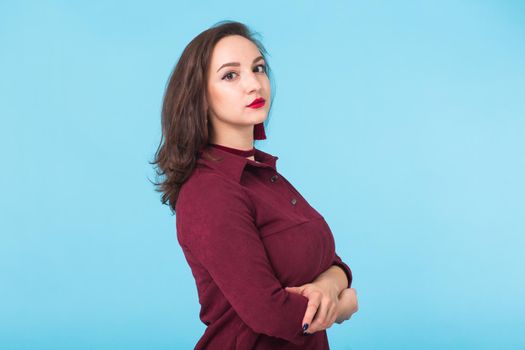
{"points": [[205, 185], [211, 196], [210, 178]]}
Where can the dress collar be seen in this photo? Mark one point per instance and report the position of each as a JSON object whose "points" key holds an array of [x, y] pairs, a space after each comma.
{"points": [[233, 165]]}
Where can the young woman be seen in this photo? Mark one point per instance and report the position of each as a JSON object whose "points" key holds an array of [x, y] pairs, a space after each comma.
{"points": [[264, 260]]}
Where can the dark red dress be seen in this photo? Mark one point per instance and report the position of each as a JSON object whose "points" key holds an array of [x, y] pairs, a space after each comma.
{"points": [[247, 233]]}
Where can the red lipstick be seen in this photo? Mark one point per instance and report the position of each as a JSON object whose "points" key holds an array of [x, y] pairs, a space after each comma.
{"points": [[257, 103]]}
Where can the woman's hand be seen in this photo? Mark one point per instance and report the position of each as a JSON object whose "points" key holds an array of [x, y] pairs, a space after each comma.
{"points": [[347, 304], [322, 306], [323, 299]]}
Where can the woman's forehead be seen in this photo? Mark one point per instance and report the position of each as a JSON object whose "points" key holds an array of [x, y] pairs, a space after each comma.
{"points": [[234, 49]]}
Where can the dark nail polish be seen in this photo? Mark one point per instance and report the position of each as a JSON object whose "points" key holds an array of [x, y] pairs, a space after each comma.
{"points": [[306, 333], [305, 326]]}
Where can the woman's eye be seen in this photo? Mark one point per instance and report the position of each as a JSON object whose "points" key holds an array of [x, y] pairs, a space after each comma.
{"points": [[228, 75], [263, 68]]}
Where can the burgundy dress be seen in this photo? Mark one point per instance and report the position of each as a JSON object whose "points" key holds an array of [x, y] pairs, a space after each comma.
{"points": [[247, 233]]}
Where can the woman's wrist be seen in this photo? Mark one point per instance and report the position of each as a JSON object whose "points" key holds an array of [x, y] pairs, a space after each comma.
{"points": [[335, 277], [341, 310], [347, 305]]}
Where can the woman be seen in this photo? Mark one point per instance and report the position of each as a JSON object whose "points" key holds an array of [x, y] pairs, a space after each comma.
{"points": [[263, 259]]}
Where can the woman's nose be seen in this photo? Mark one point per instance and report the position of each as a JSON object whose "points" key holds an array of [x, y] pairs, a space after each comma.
{"points": [[252, 82]]}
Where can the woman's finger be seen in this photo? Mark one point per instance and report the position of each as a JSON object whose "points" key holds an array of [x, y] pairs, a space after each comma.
{"points": [[311, 309], [297, 290], [320, 318]]}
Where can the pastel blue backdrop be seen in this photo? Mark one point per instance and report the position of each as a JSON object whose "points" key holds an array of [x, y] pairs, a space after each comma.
{"points": [[401, 122]]}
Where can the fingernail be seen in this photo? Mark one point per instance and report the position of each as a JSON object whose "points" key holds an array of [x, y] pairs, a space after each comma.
{"points": [[305, 326], [306, 333]]}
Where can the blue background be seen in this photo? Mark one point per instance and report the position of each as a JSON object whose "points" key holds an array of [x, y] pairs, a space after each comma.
{"points": [[401, 122]]}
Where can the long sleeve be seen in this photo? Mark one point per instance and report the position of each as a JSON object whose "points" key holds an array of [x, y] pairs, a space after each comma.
{"points": [[338, 262], [215, 220]]}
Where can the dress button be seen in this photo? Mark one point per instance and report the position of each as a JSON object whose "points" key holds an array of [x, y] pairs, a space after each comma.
{"points": [[274, 178], [294, 201]]}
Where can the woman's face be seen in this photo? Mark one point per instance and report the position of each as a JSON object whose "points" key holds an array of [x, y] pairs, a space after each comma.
{"points": [[236, 77]]}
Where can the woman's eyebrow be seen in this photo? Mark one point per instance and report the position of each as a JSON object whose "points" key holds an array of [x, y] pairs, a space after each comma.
{"points": [[237, 64]]}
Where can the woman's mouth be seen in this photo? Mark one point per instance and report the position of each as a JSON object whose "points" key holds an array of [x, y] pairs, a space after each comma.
{"points": [[257, 103]]}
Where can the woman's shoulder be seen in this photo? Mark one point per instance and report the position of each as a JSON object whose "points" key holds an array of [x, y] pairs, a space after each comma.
{"points": [[207, 178], [207, 186]]}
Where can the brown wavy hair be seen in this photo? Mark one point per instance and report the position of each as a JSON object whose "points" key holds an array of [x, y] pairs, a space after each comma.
{"points": [[184, 115]]}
